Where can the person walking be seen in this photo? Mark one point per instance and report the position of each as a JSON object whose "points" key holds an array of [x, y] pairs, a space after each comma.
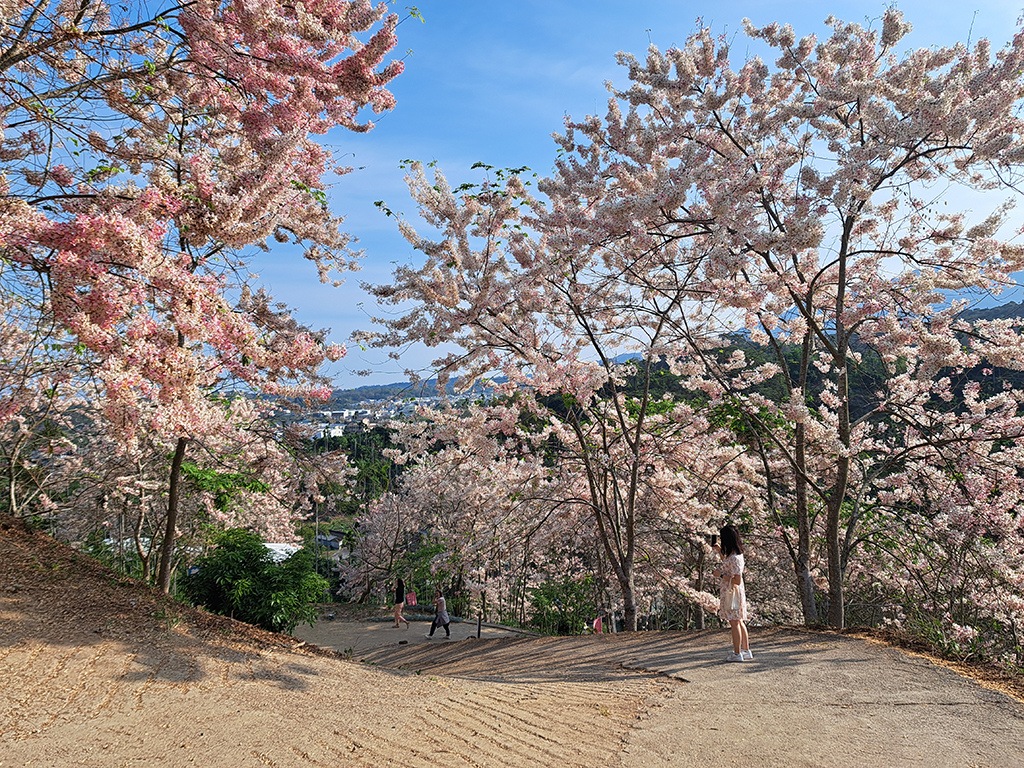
{"points": [[731, 593], [399, 603], [441, 618]]}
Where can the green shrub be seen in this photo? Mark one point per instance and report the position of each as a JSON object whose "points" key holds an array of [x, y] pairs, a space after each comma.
{"points": [[562, 607], [239, 578]]}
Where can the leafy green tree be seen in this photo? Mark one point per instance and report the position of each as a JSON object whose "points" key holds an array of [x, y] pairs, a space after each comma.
{"points": [[239, 578], [563, 607], [224, 486], [375, 472]]}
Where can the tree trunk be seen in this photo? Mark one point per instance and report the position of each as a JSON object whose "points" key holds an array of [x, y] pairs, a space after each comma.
{"points": [[12, 496], [699, 618], [627, 587], [805, 587], [836, 613], [173, 493], [366, 592], [13, 507], [621, 563], [143, 552], [804, 580]]}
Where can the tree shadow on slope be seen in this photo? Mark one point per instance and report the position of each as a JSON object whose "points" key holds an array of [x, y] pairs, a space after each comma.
{"points": [[828, 664], [592, 658]]}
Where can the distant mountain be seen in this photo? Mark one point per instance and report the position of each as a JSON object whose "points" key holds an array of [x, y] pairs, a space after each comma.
{"points": [[402, 390], [345, 398], [1002, 312]]}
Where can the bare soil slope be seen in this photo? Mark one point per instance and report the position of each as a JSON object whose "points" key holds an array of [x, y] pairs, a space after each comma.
{"points": [[98, 671]]}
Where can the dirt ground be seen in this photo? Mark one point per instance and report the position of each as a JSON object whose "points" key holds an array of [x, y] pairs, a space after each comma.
{"points": [[98, 671]]}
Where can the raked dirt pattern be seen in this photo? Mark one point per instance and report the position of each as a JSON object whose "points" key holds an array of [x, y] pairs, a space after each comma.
{"points": [[95, 671]]}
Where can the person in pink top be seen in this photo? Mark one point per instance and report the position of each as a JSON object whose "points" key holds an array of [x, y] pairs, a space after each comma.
{"points": [[732, 596]]}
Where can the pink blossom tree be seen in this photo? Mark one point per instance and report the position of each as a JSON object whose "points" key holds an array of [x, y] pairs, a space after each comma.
{"points": [[799, 201], [41, 380], [247, 474], [506, 492], [143, 152], [800, 205], [482, 502], [551, 323], [941, 539]]}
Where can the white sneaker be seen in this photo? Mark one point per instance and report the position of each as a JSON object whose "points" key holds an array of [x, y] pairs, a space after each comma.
{"points": [[734, 657], [429, 637], [747, 655]]}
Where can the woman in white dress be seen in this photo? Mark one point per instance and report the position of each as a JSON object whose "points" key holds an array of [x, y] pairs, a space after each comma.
{"points": [[732, 596]]}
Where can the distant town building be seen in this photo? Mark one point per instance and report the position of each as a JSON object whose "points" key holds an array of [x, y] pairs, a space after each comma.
{"points": [[281, 552]]}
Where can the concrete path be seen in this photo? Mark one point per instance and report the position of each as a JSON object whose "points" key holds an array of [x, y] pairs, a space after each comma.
{"points": [[807, 699], [822, 701], [357, 637]]}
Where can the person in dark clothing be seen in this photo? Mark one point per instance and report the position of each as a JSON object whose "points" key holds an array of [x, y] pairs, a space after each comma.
{"points": [[399, 602]]}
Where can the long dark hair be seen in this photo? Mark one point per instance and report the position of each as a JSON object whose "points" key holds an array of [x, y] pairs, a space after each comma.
{"points": [[731, 542], [400, 587]]}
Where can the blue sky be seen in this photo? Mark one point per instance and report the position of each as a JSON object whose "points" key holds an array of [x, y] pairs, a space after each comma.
{"points": [[490, 81]]}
